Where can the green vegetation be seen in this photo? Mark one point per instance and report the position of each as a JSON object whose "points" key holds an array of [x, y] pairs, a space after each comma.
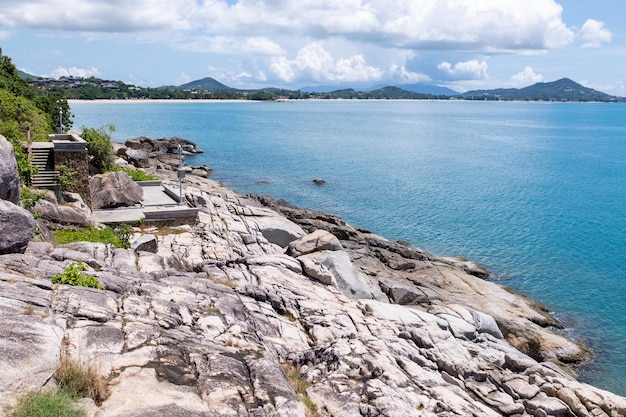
{"points": [[47, 404], [27, 114], [29, 198], [118, 237], [75, 380], [124, 232], [73, 275], [99, 146], [67, 177], [137, 174]]}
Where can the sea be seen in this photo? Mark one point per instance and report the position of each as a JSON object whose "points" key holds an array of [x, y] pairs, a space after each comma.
{"points": [[533, 191]]}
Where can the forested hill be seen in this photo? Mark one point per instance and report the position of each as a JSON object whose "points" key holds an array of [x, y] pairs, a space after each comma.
{"points": [[560, 90]]}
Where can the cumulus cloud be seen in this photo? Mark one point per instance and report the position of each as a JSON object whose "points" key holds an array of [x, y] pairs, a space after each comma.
{"points": [[594, 34], [474, 69], [526, 77], [74, 72], [486, 25], [315, 63]]}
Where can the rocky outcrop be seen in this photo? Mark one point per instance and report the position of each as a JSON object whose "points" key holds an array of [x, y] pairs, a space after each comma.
{"points": [[55, 215], [17, 226], [9, 177], [144, 152], [114, 189], [218, 320]]}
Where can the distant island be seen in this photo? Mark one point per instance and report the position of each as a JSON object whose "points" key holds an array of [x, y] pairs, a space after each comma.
{"points": [[93, 88]]}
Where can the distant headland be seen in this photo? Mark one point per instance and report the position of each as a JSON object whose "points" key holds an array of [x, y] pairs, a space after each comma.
{"points": [[93, 88]]}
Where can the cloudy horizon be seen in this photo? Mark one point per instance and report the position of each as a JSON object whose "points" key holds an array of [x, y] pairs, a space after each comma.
{"points": [[462, 45]]}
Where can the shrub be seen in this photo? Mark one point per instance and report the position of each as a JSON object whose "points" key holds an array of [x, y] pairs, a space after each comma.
{"points": [[105, 235], [73, 275], [99, 146], [124, 232], [46, 404]]}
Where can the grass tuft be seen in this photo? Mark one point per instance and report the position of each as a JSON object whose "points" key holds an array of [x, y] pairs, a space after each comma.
{"points": [[300, 385], [80, 380]]}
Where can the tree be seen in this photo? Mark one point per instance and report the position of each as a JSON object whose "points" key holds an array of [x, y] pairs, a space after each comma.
{"points": [[99, 146]]}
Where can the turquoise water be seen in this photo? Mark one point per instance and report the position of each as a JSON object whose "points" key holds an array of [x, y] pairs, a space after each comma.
{"points": [[535, 192]]}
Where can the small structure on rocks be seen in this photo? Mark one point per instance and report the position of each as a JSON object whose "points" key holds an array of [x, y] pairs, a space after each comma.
{"points": [[68, 152]]}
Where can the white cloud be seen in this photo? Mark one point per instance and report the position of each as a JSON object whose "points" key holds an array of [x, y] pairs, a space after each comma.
{"points": [[526, 77], [5, 34], [594, 34], [485, 25], [313, 62], [400, 73], [474, 69], [74, 72], [183, 79]]}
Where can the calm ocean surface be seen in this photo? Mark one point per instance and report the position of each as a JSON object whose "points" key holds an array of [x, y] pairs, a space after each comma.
{"points": [[535, 192]]}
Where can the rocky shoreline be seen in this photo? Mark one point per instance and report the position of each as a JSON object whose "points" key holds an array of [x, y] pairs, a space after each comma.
{"points": [[207, 320]]}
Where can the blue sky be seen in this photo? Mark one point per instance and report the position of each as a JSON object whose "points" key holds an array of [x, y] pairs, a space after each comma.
{"points": [[461, 44]]}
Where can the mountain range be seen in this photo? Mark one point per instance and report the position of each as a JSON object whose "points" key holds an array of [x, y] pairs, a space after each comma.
{"points": [[561, 90]]}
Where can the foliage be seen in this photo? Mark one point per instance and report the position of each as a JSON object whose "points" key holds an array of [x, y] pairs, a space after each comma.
{"points": [[29, 198], [80, 380], [105, 235], [124, 232], [67, 176], [47, 404], [73, 275], [99, 146], [40, 102]]}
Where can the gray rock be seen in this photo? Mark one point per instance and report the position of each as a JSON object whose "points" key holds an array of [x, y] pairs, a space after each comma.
{"points": [[60, 214], [276, 229], [9, 176], [146, 243], [114, 189], [29, 355], [350, 280], [313, 242], [17, 226], [138, 157]]}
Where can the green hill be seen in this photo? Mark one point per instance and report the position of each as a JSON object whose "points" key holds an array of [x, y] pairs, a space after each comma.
{"points": [[205, 84], [560, 90]]}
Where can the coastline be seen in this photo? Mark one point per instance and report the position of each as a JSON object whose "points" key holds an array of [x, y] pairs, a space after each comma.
{"points": [[221, 308]]}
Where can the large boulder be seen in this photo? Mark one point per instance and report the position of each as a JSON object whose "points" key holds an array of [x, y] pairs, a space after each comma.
{"points": [[9, 176], [114, 189], [17, 226]]}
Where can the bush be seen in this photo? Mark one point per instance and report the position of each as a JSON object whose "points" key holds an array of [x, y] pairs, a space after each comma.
{"points": [[124, 232], [73, 275], [47, 404], [99, 146]]}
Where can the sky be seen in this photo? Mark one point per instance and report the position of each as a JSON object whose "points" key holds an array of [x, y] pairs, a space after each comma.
{"points": [[460, 44]]}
